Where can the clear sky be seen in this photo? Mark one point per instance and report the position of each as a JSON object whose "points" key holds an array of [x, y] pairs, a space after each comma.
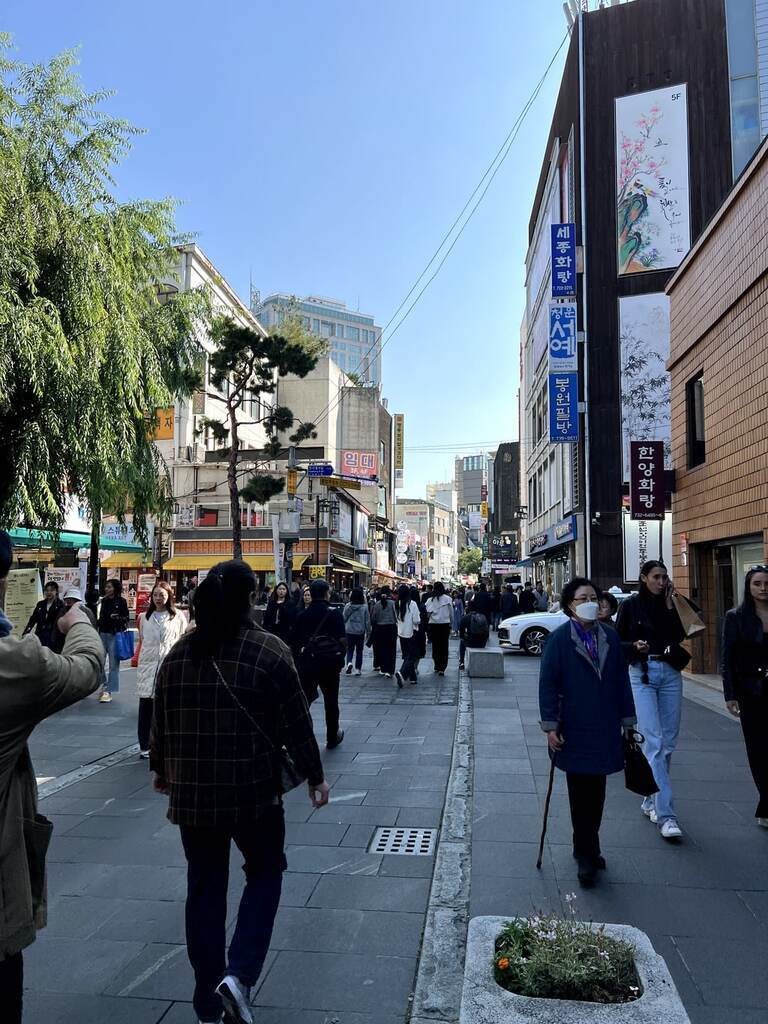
{"points": [[324, 147]]}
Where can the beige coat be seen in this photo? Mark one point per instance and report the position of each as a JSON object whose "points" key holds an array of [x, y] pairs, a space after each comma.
{"points": [[34, 683]]}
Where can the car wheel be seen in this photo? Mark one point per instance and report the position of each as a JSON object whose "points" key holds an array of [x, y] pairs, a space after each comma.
{"points": [[532, 641]]}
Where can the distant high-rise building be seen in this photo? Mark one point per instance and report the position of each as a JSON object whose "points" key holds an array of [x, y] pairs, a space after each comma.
{"points": [[354, 340], [474, 485]]}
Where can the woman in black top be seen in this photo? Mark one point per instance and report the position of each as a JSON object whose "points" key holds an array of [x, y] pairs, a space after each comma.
{"points": [[651, 631], [280, 613], [43, 618], [744, 666], [113, 619]]}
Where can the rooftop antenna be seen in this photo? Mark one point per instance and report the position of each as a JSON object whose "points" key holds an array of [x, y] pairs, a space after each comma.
{"points": [[568, 15]]}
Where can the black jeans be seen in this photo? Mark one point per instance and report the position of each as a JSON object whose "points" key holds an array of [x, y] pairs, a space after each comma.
{"points": [[441, 634], [754, 725], [409, 648], [586, 795], [355, 645], [472, 644], [11, 988], [146, 706], [329, 687], [207, 851]]}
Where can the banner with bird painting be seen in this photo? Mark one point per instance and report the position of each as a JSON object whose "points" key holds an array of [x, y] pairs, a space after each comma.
{"points": [[652, 188]]}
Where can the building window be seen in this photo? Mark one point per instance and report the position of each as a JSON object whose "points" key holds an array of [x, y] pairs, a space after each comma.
{"points": [[352, 333], [315, 325], [694, 414], [742, 66]]}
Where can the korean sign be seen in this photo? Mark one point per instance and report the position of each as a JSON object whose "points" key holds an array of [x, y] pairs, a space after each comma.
{"points": [[646, 489], [563, 260], [399, 422], [163, 430], [362, 464], [563, 376]]}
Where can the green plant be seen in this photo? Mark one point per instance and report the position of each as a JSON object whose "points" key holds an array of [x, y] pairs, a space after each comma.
{"points": [[470, 561], [553, 957]]}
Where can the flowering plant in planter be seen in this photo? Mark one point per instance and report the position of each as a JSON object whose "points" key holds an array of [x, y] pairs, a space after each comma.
{"points": [[552, 957]]}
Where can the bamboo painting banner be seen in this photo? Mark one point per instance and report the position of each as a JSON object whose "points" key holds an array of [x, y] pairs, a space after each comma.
{"points": [[652, 182]]}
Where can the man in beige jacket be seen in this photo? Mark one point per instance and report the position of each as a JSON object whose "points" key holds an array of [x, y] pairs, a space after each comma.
{"points": [[34, 683]]}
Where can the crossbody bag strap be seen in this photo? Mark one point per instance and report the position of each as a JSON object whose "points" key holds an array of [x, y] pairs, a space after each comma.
{"points": [[320, 625], [244, 710]]}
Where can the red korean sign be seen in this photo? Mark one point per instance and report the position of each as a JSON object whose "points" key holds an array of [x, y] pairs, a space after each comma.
{"points": [[646, 485], [360, 464]]}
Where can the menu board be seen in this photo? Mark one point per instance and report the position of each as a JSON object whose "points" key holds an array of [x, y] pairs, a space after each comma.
{"points": [[22, 592]]}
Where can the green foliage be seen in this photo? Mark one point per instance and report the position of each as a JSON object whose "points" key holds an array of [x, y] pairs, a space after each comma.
{"points": [[552, 957], [88, 347], [293, 330], [470, 561]]}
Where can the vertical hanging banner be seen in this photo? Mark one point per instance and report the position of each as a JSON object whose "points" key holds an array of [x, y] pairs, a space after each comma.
{"points": [[399, 449], [563, 261], [646, 482], [563, 374]]}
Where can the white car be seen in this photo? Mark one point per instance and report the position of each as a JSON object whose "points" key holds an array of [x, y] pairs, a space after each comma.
{"points": [[528, 632]]}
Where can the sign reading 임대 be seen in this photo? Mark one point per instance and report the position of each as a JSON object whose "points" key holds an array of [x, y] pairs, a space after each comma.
{"points": [[563, 259], [364, 464], [646, 483]]}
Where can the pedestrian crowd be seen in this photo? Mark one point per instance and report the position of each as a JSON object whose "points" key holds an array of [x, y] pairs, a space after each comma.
{"points": [[224, 719]]}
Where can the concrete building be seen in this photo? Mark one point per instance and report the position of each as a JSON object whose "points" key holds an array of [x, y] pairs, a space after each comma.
{"points": [[354, 340], [473, 475], [431, 538], [718, 364], [505, 515], [676, 77]]}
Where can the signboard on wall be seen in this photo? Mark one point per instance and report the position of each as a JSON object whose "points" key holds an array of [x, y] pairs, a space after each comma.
{"points": [[359, 463], [65, 578], [646, 485], [399, 445], [145, 584], [563, 260], [563, 375], [22, 592], [163, 424], [645, 383], [652, 182], [643, 540]]}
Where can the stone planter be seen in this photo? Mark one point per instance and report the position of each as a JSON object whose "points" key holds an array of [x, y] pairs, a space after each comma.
{"points": [[485, 1002]]}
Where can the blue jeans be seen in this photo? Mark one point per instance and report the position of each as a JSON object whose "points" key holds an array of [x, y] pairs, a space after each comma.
{"points": [[261, 843], [355, 644], [111, 676], [658, 704]]}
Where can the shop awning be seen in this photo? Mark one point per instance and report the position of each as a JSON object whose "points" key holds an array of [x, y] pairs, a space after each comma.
{"points": [[261, 563], [34, 538], [351, 563], [126, 560], [385, 572]]}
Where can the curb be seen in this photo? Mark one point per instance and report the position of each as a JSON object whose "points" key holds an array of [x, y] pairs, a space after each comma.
{"points": [[440, 971], [46, 789]]}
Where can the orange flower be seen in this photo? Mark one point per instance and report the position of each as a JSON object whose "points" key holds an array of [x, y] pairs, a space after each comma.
{"points": [[502, 963]]}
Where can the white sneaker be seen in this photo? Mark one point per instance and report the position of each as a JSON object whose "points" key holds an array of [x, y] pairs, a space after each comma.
{"points": [[236, 999], [670, 829], [762, 822], [650, 813], [105, 698], [357, 672], [349, 669], [144, 755]]}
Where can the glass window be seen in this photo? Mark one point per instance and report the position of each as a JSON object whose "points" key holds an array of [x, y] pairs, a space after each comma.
{"points": [[694, 411], [315, 326], [742, 48], [326, 329], [745, 121], [352, 333]]}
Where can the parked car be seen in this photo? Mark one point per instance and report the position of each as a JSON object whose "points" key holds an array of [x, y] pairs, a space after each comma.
{"points": [[528, 632]]}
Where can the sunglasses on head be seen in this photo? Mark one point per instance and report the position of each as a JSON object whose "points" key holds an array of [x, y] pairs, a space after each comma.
{"points": [[758, 568]]}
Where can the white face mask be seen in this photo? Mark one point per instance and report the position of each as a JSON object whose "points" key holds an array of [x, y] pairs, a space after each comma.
{"points": [[588, 611]]}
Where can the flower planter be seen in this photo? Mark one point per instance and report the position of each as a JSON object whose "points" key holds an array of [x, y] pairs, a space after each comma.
{"points": [[485, 1002]]}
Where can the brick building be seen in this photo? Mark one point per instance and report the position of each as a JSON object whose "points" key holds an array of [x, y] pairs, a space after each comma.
{"points": [[719, 374]]}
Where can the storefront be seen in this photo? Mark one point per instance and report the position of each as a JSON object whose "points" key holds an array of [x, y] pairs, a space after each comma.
{"points": [[185, 571], [553, 553]]}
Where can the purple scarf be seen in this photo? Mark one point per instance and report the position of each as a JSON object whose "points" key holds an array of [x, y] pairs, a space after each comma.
{"points": [[589, 638]]}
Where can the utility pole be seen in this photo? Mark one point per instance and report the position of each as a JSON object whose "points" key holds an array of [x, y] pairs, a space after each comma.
{"points": [[291, 488], [317, 530]]}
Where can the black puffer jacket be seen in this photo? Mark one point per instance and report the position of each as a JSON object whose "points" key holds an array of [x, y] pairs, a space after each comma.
{"points": [[744, 655]]}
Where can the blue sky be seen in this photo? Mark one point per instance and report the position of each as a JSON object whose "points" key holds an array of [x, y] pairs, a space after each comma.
{"points": [[325, 147]]}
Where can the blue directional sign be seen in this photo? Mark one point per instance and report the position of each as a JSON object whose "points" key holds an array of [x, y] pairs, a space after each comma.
{"points": [[563, 261], [326, 469]]}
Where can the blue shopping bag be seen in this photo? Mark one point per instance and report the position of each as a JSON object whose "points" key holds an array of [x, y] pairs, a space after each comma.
{"points": [[124, 645]]}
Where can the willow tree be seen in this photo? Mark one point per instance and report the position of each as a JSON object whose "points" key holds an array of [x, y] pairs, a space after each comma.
{"points": [[244, 363], [90, 345]]}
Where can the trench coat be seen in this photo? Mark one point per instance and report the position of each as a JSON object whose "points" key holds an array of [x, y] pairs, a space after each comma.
{"points": [[34, 683], [157, 638]]}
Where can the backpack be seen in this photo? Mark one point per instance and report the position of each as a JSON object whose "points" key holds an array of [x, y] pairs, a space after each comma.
{"points": [[478, 625], [323, 653]]}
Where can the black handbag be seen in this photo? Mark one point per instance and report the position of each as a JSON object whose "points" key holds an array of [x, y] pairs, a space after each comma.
{"points": [[638, 775], [287, 775]]}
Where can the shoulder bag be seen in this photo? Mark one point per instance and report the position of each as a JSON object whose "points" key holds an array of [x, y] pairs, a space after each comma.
{"points": [[287, 776], [638, 774], [323, 653]]}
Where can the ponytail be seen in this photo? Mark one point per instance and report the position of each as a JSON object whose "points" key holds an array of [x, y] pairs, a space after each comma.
{"points": [[222, 606]]}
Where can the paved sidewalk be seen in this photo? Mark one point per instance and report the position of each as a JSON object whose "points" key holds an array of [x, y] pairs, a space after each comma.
{"points": [[349, 928], [703, 902]]}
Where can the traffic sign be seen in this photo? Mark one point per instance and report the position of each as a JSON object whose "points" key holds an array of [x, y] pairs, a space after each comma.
{"points": [[337, 481], [324, 469], [292, 481], [401, 559]]}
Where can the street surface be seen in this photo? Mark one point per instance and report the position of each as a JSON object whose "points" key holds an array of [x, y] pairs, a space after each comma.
{"points": [[348, 934]]}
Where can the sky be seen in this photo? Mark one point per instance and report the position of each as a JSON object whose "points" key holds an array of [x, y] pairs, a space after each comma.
{"points": [[324, 148]]}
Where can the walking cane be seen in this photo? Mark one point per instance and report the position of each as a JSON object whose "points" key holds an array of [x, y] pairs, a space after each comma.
{"points": [[546, 810]]}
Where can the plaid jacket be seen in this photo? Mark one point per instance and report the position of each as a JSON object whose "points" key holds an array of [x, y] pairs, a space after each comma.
{"points": [[218, 767]]}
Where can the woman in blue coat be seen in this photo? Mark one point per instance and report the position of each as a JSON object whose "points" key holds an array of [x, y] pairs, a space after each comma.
{"points": [[585, 700]]}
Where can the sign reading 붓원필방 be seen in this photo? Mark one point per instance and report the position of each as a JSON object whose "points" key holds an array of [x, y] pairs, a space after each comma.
{"points": [[646, 484]]}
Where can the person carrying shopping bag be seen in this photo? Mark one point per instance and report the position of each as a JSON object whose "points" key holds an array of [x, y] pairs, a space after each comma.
{"points": [[159, 629]]}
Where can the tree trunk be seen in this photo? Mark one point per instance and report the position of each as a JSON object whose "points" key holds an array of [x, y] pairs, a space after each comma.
{"points": [[92, 590], [234, 490]]}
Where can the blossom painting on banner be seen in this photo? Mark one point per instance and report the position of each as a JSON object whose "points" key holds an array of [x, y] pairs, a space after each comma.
{"points": [[652, 187], [645, 384]]}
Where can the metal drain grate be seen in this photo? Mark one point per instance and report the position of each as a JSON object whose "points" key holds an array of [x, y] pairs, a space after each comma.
{"points": [[415, 842]]}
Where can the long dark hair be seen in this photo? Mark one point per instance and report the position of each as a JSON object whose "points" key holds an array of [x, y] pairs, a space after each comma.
{"points": [[222, 605], [357, 596], [170, 603], [438, 590], [747, 605], [415, 596], [384, 596], [645, 568], [273, 595], [403, 600]]}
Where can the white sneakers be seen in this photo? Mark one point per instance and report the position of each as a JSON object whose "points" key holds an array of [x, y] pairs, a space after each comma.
{"points": [[357, 672], [670, 829], [144, 755], [762, 822], [650, 813], [236, 999], [349, 668], [106, 697]]}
